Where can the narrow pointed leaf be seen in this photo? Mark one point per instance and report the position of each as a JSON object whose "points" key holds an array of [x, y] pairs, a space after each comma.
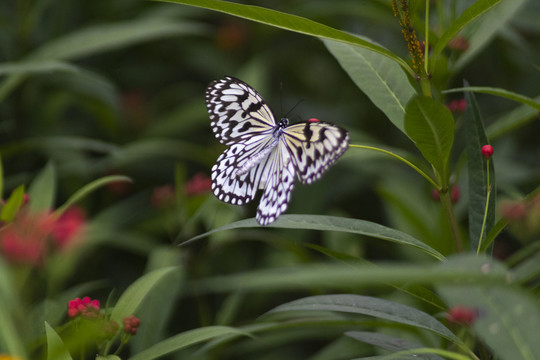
{"points": [[367, 305], [499, 92], [473, 12], [389, 343], [334, 223], [12, 205], [477, 171], [184, 340], [290, 22], [32, 67], [87, 189], [133, 296], [431, 126], [380, 78], [56, 350], [42, 191]]}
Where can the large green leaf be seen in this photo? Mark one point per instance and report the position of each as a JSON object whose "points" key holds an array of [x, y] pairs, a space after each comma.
{"points": [[380, 78], [42, 191], [512, 120], [508, 316], [185, 339], [372, 306], [10, 339], [334, 223], [473, 12], [431, 126], [478, 175], [290, 22]]}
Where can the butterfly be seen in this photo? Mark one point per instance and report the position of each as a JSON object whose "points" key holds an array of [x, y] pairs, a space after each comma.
{"points": [[264, 153]]}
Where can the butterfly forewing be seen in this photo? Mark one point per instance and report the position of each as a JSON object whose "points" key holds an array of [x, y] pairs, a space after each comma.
{"points": [[237, 111], [314, 147]]}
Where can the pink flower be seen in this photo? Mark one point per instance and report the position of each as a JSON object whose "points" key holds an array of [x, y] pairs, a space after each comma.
{"points": [[24, 240], [162, 196], [457, 106], [131, 323], [458, 43], [462, 315], [68, 227], [198, 184], [514, 210], [85, 307]]}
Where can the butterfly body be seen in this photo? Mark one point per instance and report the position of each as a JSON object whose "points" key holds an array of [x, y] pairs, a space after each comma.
{"points": [[265, 154]]}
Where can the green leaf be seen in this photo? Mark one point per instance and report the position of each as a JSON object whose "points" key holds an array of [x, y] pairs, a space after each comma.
{"points": [[42, 191], [380, 78], [184, 340], [431, 126], [290, 22], [10, 339], [334, 223], [105, 37], [339, 276], [477, 172], [138, 291], [56, 350], [499, 92], [372, 306], [478, 8], [10, 209], [389, 343], [87, 189], [508, 316], [33, 67], [1, 178], [514, 119], [481, 32]]}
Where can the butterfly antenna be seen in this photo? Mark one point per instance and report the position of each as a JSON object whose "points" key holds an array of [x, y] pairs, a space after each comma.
{"points": [[294, 107]]}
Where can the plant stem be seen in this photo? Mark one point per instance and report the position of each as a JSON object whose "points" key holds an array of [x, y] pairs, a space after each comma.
{"points": [[485, 210], [426, 176], [446, 202], [426, 47]]}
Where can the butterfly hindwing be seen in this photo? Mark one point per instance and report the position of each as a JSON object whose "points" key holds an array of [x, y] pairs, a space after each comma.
{"points": [[314, 147], [237, 111]]}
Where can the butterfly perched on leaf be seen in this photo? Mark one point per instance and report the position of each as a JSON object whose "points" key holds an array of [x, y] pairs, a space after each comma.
{"points": [[264, 153]]}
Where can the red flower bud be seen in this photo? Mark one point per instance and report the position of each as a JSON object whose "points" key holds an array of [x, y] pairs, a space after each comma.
{"points": [[313, 120], [487, 151], [462, 315]]}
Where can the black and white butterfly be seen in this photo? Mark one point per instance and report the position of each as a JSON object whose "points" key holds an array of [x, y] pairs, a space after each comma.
{"points": [[265, 154]]}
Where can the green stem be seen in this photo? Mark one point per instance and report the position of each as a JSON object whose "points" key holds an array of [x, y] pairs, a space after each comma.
{"points": [[446, 202], [426, 47], [485, 210], [426, 176]]}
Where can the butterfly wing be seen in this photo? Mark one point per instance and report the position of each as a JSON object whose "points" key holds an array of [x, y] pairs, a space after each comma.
{"points": [[227, 184], [314, 146], [278, 182], [237, 111]]}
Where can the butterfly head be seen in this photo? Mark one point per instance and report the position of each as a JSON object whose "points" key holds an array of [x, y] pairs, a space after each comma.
{"points": [[283, 123]]}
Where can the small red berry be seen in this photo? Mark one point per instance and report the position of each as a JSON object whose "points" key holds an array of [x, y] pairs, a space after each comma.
{"points": [[435, 195], [487, 151]]}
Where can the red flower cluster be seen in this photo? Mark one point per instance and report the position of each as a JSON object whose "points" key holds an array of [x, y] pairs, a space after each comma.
{"points": [[457, 106], [462, 315], [27, 239], [198, 184], [131, 323], [85, 307]]}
